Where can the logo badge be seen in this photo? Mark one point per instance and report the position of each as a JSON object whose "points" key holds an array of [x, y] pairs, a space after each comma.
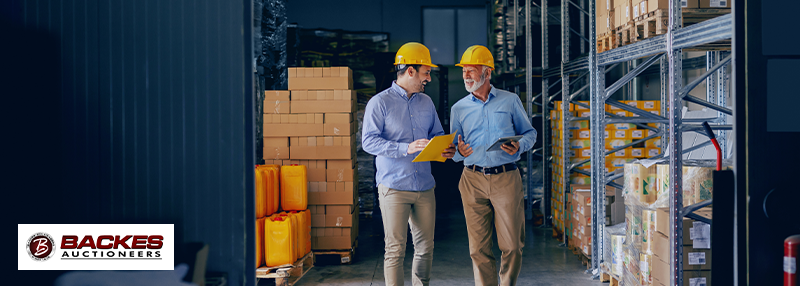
{"points": [[40, 246]]}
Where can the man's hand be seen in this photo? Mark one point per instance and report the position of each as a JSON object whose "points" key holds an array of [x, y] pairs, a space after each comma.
{"points": [[417, 146], [463, 148], [449, 152], [512, 148]]}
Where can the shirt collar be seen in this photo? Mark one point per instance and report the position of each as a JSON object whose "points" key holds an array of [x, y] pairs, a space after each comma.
{"points": [[402, 92], [492, 93]]}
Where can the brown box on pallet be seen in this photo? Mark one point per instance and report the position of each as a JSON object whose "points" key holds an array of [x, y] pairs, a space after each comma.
{"points": [[335, 219], [323, 106], [340, 175], [290, 130], [276, 102], [339, 129], [341, 164], [314, 78], [343, 193], [714, 4], [690, 4], [323, 95], [660, 271], [275, 148]]}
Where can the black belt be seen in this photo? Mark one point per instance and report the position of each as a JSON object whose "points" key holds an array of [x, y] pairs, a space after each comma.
{"points": [[493, 170]]}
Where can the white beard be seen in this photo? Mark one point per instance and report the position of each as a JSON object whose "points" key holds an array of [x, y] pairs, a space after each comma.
{"points": [[475, 86]]}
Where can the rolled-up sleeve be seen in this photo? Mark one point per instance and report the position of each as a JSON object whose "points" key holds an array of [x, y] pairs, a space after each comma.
{"points": [[455, 126], [371, 140], [522, 126]]}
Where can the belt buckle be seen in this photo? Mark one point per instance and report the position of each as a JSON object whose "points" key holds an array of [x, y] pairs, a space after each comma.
{"points": [[488, 171]]}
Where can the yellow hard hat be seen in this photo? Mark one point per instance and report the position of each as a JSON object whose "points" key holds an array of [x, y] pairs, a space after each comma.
{"points": [[413, 54], [477, 55]]}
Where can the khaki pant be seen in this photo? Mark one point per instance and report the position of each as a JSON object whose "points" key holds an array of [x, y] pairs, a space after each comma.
{"points": [[398, 209], [494, 201]]}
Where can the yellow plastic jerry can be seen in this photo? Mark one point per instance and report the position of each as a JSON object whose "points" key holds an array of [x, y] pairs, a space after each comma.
{"points": [[280, 247], [294, 188], [274, 189]]}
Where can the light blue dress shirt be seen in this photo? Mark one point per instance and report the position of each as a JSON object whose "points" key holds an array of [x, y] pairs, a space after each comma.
{"points": [[482, 123], [391, 121]]}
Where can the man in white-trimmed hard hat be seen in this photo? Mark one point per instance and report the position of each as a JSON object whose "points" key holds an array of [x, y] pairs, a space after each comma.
{"points": [[491, 185]]}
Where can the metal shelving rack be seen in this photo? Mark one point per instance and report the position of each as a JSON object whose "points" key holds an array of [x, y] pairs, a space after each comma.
{"points": [[665, 49]]}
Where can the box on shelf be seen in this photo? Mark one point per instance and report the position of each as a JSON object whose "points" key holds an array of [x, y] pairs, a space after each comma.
{"points": [[714, 4]]}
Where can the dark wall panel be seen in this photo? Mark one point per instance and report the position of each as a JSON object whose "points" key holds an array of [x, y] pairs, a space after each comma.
{"points": [[135, 112]]}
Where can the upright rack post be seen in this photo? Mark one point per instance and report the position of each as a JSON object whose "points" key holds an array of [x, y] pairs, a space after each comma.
{"points": [[529, 106], [546, 154], [675, 145], [597, 105], [566, 114]]}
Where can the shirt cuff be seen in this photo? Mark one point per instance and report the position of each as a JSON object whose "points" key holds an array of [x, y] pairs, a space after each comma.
{"points": [[457, 157], [402, 149]]}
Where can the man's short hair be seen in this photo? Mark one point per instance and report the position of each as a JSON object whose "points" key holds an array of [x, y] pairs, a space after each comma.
{"points": [[401, 69]]}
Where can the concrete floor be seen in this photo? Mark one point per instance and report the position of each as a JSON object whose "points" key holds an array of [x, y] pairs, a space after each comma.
{"points": [[544, 262]]}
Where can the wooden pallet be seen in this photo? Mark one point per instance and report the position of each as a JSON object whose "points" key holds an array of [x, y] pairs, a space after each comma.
{"points": [[607, 42], [656, 22], [345, 255], [607, 276], [289, 274]]}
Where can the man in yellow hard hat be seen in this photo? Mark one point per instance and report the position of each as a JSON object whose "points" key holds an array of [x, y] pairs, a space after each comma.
{"points": [[398, 123], [491, 185]]}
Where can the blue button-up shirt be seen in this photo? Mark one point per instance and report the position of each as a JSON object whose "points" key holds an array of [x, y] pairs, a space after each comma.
{"points": [[391, 121], [482, 123]]}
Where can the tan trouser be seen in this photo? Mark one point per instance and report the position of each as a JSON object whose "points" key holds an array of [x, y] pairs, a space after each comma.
{"points": [[398, 209], [494, 201]]}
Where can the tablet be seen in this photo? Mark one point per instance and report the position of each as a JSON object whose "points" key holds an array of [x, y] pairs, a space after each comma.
{"points": [[501, 141]]}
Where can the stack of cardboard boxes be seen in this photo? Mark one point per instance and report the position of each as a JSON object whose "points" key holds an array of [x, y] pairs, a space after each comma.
{"points": [[647, 242], [696, 250], [313, 124], [579, 140], [580, 214]]}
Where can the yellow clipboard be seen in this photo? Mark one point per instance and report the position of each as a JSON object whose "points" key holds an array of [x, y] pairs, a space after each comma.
{"points": [[433, 151]]}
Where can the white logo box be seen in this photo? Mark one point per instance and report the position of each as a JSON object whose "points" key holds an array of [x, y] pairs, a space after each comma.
{"points": [[99, 259]]}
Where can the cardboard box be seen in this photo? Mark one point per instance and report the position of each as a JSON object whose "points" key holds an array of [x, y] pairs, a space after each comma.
{"points": [[661, 246], [333, 238], [315, 79], [332, 197], [291, 130], [335, 220], [276, 148], [323, 106], [275, 153], [316, 174], [336, 209], [694, 277], [321, 152], [340, 175], [696, 259], [341, 164], [714, 4], [635, 8], [338, 118], [339, 129], [690, 4], [324, 95]]}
